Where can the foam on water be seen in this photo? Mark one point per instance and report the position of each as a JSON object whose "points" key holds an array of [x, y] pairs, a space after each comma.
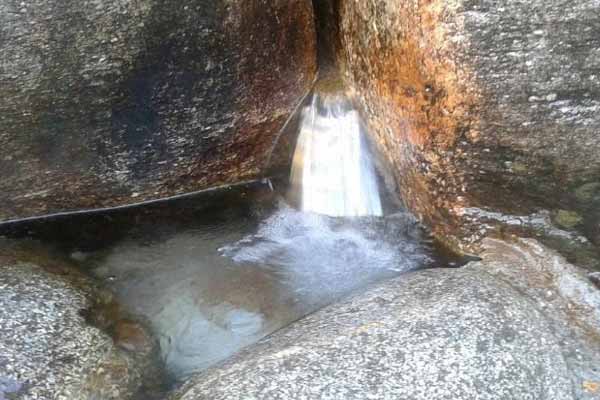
{"points": [[320, 258]]}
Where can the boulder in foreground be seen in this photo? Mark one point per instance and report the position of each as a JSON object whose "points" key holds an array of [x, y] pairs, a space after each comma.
{"points": [[47, 349]]}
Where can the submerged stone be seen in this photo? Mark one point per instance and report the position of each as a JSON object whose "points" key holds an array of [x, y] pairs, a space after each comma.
{"points": [[131, 336], [456, 334]]}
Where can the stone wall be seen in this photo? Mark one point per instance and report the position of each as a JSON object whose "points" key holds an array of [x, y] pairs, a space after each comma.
{"points": [[481, 105], [107, 103]]}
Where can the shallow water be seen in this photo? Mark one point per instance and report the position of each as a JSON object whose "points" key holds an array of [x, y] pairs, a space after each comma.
{"points": [[210, 290], [214, 273]]}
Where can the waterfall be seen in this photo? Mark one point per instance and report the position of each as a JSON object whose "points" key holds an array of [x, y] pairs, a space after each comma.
{"points": [[332, 169]]}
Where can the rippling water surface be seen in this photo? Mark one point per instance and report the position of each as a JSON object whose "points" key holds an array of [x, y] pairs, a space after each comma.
{"points": [[211, 289]]}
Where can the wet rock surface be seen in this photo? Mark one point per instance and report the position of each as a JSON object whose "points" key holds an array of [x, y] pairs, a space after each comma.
{"points": [[47, 349], [540, 225], [489, 104], [521, 323], [117, 102], [564, 293]]}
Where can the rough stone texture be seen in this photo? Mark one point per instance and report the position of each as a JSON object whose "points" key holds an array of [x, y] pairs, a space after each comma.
{"points": [[521, 324], [540, 225], [565, 294], [47, 350], [106, 103], [480, 103]]}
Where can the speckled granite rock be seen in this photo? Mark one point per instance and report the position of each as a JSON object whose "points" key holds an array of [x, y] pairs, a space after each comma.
{"points": [[479, 103], [487, 331], [565, 294], [113, 102], [47, 350]]}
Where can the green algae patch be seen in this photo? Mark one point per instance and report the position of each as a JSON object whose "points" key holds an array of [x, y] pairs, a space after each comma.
{"points": [[588, 192], [567, 219]]}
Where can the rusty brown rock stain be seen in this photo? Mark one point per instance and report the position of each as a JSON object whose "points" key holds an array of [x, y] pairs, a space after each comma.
{"points": [[591, 387], [412, 97], [465, 103], [131, 336]]}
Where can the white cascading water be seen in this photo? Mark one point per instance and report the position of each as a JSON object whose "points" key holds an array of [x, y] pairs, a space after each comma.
{"points": [[332, 170]]}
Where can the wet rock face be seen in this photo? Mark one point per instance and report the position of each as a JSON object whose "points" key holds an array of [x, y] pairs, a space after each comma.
{"points": [[115, 102], [528, 329], [488, 104], [47, 349], [566, 295]]}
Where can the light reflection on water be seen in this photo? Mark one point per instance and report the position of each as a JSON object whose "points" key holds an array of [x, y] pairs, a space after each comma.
{"points": [[211, 290]]}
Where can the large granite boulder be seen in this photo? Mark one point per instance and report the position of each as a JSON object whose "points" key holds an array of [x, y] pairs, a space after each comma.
{"points": [[491, 104], [108, 103], [434, 334], [47, 348]]}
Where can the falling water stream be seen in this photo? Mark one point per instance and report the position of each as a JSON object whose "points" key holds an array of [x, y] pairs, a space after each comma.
{"points": [[332, 169], [217, 272]]}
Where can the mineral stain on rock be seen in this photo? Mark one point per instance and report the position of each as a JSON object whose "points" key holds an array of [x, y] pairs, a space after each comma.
{"points": [[476, 104]]}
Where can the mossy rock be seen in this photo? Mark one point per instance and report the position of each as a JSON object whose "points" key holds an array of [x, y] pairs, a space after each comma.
{"points": [[589, 192], [567, 219]]}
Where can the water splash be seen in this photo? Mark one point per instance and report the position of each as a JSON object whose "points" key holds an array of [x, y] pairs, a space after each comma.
{"points": [[320, 258], [332, 170]]}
